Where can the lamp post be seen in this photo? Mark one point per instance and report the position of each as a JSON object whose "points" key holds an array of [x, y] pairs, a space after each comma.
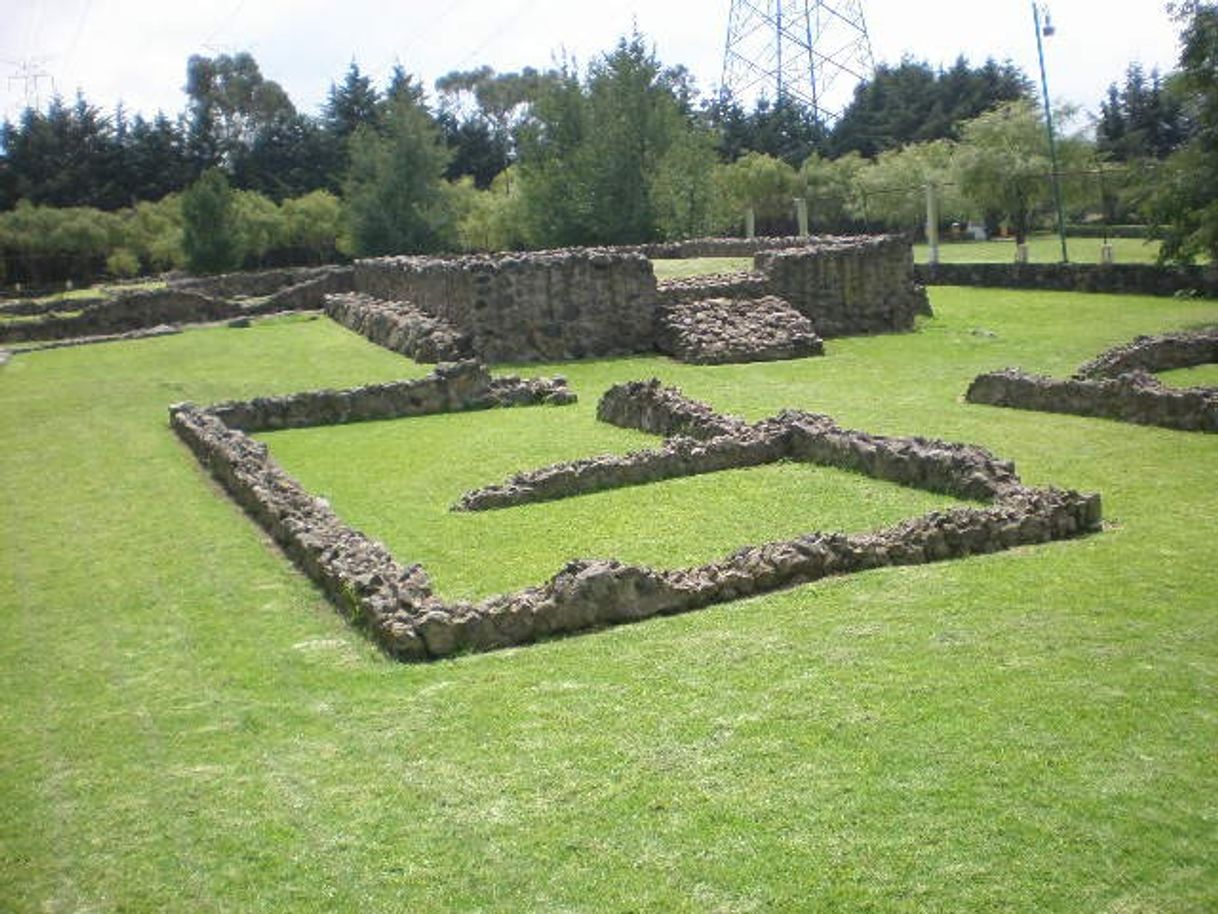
{"points": [[1047, 31]]}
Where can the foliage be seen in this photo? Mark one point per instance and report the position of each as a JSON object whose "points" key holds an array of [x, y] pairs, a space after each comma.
{"points": [[1184, 197], [894, 186], [1005, 166], [762, 182], [831, 187], [592, 153], [683, 189], [230, 103], [912, 103], [313, 224], [395, 200], [210, 239], [1145, 119], [491, 220]]}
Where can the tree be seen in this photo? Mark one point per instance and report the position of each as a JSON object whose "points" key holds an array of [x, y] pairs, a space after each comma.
{"points": [[395, 199], [912, 103], [832, 188], [230, 102], [766, 184], [1005, 168], [1184, 201], [895, 185], [210, 237], [590, 152], [1143, 120]]}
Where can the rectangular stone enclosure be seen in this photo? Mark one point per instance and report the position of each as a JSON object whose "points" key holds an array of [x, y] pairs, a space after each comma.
{"points": [[592, 302]]}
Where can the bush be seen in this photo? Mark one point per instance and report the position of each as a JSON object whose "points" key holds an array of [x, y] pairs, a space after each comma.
{"points": [[122, 264]]}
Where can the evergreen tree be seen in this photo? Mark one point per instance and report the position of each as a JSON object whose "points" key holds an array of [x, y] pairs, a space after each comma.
{"points": [[395, 199], [209, 225]]}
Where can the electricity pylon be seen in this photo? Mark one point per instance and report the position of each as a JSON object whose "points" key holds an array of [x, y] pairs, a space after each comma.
{"points": [[815, 51]]}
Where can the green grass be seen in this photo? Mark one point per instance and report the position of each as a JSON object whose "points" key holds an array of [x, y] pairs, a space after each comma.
{"points": [[1041, 249], [188, 726], [1198, 376], [103, 290], [428, 463], [700, 266]]}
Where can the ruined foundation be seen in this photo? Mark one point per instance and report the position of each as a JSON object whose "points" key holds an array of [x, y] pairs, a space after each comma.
{"points": [[394, 602]]}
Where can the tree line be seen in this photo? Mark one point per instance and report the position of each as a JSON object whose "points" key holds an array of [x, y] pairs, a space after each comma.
{"points": [[623, 151]]}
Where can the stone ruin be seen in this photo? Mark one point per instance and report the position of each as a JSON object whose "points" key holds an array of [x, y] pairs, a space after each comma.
{"points": [[541, 306], [597, 302], [1118, 384], [395, 602]]}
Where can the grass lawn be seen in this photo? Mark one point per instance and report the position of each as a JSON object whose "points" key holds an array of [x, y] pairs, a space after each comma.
{"points": [[1041, 249], [700, 266], [189, 726]]}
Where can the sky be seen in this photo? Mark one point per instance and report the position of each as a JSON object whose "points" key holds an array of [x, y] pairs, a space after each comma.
{"points": [[135, 51]]}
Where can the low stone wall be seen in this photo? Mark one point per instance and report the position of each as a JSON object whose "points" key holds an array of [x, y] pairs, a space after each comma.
{"points": [[541, 306], [1154, 353], [678, 457], [454, 387], [255, 283], [395, 602], [650, 407], [1133, 397], [400, 327], [124, 313], [1112, 279], [181, 303], [724, 247], [961, 470], [310, 293], [28, 307], [719, 331], [1116, 385]]}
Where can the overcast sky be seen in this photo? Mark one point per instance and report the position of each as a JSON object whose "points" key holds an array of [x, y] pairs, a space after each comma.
{"points": [[136, 50]]}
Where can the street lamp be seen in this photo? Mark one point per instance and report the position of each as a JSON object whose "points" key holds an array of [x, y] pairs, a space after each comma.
{"points": [[1047, 30]]}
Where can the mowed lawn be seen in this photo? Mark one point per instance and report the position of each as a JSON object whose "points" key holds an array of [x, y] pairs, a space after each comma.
{"points": [[1042, 249], [188, 726]]}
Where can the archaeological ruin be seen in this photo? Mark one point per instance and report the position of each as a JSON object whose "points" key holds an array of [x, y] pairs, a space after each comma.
{"points": [[395, 603], [1118, 384]]}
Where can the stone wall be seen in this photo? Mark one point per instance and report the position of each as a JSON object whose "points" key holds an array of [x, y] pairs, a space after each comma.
{"points": [[395, 602], [400, 327], [719, 331], [848, 286], [134, 311], [1117, 384], [1133, 397], [541, 306], [254, 283], [1113, 279], [1154, 353], [453, 387], [724, 247]]}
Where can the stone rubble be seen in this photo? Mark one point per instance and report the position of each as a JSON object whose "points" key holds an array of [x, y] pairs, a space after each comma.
{"points": [[719, 331]]}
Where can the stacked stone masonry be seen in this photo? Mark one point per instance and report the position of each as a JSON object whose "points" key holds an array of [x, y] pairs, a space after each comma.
{"points": [[131, 311], [541, 306], [395, 601], [578, 303], [1118, 385], [399, 326], [1110, 279], [716, 331]]}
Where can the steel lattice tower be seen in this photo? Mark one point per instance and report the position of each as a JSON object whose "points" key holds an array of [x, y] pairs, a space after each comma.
{"points": [[816, 51]]}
